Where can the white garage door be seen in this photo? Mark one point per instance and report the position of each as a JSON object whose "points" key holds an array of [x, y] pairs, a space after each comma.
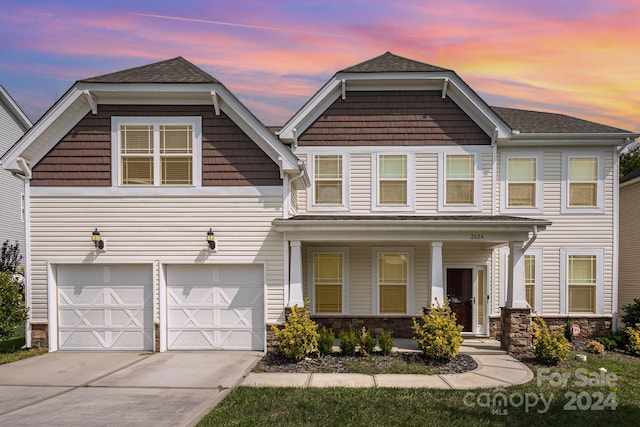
{"points": [[105, 307], [215, 307]]}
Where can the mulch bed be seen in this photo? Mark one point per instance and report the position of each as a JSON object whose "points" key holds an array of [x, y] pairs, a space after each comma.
{"points": [[335, 362]]}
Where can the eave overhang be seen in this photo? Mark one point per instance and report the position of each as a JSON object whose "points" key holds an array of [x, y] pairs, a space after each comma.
{"points": [[479, 229], [568, 139], [448, 82], [77, 102]]}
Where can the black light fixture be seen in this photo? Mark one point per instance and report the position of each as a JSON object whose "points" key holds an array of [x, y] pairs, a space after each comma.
{"points": [[97, 241], [210, 241]]}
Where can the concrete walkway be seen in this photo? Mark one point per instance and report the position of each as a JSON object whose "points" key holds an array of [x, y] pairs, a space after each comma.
{"points": [[495, 369]]}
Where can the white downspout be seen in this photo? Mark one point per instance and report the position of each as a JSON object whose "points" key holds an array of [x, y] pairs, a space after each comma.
{"points": [[27, 246], [616, 238], [532, 239]]}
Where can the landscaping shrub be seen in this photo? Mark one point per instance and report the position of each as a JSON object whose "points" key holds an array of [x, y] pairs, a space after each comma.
{"points": [[367, 342], [633, 334], [595, 347], [631, 314], [439, 336], [349, 340], [549, 347], [325, 340], [607, 342], [299, 336], [385, 341], [13, 313]]}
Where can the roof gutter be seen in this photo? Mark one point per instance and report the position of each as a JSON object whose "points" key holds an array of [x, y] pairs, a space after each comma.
{"points": [[532, 239]]}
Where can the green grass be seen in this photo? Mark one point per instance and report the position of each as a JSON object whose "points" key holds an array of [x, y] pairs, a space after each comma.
{"points": [[418, 407], [10, 349], [18, 355], [368, 365]]}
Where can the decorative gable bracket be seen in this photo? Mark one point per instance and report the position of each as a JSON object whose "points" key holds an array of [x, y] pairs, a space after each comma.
{"points": [[93, 103], [216, 103]]}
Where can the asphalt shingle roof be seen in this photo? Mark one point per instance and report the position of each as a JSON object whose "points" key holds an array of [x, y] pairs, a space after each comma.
{"points": [[388, 62], [176, 70], [539, 122], [631, 175]]}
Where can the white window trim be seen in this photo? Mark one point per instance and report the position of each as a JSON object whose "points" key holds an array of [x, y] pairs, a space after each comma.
{"points": [[311, 199], [22, 207], [375, 305], [194, 121], [504, 187], [564, 282], [537, 255], [504, 276], [477, 181], [344, 250], [411, 184], [564, 201]]}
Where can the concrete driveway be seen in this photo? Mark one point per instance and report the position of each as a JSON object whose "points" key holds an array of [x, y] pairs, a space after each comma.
{"points": [[118, 388]]}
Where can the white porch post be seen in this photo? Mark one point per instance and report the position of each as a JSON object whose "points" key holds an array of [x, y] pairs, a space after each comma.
{"points": [[295, 274], [437, 279], [516, 294]]}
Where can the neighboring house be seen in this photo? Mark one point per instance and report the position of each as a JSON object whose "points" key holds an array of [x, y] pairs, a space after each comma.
{"points": [[13, 124], [629, 270], [416, 191]]}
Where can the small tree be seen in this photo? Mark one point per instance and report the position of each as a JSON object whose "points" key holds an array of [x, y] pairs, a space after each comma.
{"points": [[12, 311], [629, 160], [10, 257]]}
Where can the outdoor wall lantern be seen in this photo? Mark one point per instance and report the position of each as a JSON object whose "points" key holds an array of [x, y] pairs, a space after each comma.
{"points": [[210, 241], [97, 241]]}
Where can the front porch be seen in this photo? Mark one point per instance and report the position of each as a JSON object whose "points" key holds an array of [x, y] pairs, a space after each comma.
{"points": [[380, 272]]}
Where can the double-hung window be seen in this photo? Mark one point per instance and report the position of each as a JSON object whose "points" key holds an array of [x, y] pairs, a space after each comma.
{"points": [[328, 180], [583, 183], [393, 281], [521, 182], [392, 180], [530, 280], [459, 179], [582, 280], [328, 280], [156, 152]]}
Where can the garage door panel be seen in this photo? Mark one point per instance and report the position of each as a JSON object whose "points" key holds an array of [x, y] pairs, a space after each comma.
{"points": [[223, 311], [105, 307]]}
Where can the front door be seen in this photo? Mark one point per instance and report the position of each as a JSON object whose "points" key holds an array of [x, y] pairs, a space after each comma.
{"points": [[460, 294]]}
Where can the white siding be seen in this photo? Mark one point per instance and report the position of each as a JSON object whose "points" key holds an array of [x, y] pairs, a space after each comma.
{"points": [[361, 185], [629, 267], [571, 230], [157, 230], [11, 225]]}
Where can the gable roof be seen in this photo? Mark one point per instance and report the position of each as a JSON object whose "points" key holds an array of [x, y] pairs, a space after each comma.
{"points": [[390, 63], [527, 121], [174, 81], [15, 109], [175, 70]]}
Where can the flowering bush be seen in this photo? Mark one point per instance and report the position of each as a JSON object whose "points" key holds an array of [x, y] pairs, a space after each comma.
{"points": [[299, 336], [633, 335], [439, 336]]}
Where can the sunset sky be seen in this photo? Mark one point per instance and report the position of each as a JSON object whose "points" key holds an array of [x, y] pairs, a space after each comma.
{"points": [[578, 57]]}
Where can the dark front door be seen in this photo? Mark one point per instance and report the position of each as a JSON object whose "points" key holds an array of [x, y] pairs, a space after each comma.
{"points": [[460, 294]]}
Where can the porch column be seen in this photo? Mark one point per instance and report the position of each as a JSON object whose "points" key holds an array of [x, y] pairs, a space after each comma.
{"points": [[295, 274], [437, 280], [516, 294]]}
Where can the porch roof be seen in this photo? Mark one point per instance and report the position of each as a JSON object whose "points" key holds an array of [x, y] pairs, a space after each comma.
{"points": [[487, 228]]}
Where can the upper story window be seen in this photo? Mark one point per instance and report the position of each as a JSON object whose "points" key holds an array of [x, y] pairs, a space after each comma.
{"points": [[521, 183], [583, 183], [328, 181], [157, 151], [459, 179], [392, 180]]}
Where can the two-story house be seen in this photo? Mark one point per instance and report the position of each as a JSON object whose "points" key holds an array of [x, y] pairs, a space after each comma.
{"points": [[164, 215], [13, 124]]}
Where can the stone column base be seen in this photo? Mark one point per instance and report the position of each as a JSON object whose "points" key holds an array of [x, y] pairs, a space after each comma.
{"points": [[516, 331], [40, 335]]}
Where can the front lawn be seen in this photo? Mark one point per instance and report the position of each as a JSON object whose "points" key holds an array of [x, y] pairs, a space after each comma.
{"points": [[10, 350], [576, 393]]}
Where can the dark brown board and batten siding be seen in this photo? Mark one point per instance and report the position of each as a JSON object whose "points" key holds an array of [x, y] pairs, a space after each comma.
{"points": [[83, 156], [394, 118]]}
